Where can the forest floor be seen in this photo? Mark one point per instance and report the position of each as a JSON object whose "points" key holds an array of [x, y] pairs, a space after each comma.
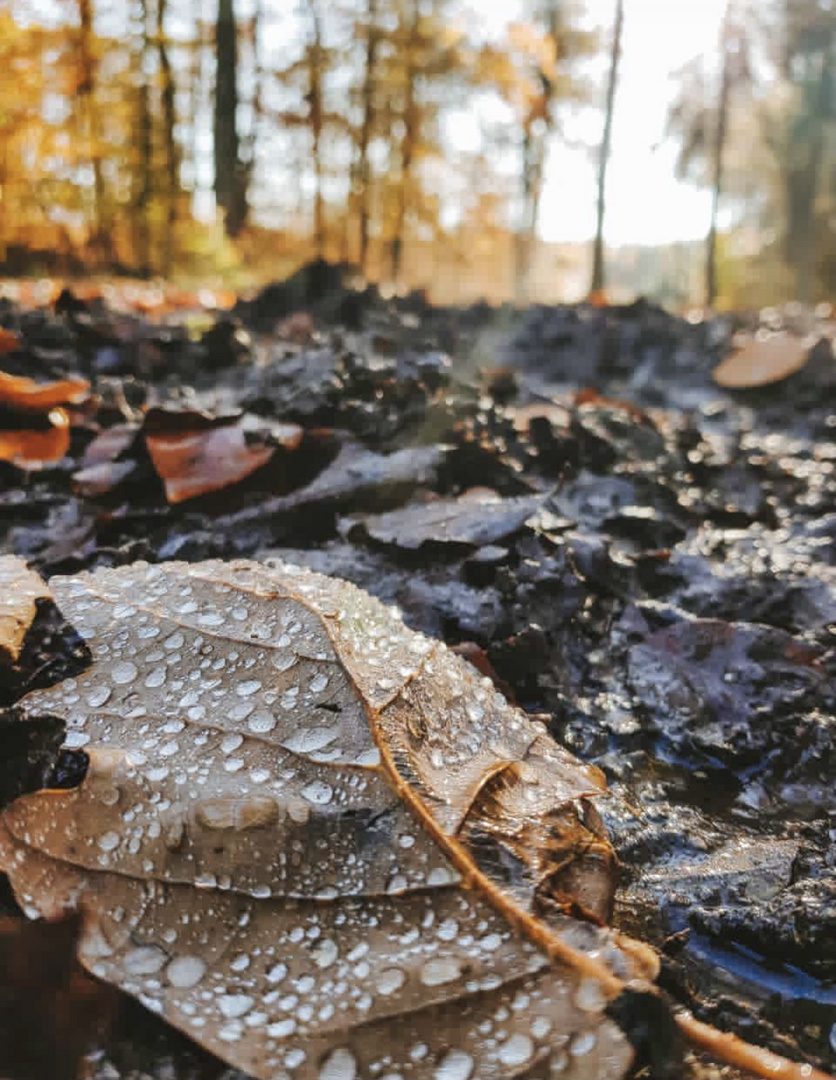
{"points": [[563, 494]]}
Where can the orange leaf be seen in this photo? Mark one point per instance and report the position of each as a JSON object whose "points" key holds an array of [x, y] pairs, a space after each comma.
{"points": [[762, 360], [26, 394], [9, 341], [192, 463], [30, 447]]}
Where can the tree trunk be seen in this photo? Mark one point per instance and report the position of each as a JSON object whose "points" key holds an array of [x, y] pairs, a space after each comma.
{"points": [[411, 125], [90, 130], [598, 273], [537, 127], [316, 117], [363, 168], [230, 191], [172, 150], [145, 143], [717, 162]]}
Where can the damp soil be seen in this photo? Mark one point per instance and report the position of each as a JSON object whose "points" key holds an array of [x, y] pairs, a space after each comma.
{"points": [[643, 558]]}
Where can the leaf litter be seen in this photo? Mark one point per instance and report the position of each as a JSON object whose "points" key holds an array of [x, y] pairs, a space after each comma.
{"points": [[715, 504]]}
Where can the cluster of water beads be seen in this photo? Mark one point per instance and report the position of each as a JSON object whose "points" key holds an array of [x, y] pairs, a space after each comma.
{"points": [[229, 719]]}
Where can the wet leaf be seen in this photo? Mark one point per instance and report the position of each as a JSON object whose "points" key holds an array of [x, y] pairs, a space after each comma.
{"points": [[477, 517], [9, 341], [33, 447], [20, 589], [761, 360], [356, 474], [194, 454], [318, 842], [25, 394]]}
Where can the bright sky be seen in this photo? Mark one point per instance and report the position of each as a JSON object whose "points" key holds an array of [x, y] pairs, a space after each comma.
{"points": [[645, 203]]}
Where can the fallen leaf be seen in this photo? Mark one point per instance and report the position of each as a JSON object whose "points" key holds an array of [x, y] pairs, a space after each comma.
{"points": [[338, 846], [194, 455], [27, 395], [477, 517], [761, 360], [356, 475], [109, 444], [275, 862], [34, 447], [9, 341], [20, 589]]}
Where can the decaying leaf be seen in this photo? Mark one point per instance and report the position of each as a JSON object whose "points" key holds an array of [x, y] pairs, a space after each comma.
{"points": [[320, 843], [26, 394], [761, 360], [35, 447], [479, 516], [20, 588], [195, 454]]}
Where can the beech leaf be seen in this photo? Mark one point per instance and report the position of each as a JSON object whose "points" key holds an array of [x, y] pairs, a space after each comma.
{"points": [[321, 844]]}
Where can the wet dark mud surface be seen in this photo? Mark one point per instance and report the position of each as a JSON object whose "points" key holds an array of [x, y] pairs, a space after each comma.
{"points": [[646, 559]]}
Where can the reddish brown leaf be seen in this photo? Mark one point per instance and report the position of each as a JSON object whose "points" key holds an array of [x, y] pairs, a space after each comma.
{"points": [[194, 454], [33, 447], [761, 360], [9, 341], [27, 395]]}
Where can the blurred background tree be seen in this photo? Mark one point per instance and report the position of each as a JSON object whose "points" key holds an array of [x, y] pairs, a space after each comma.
{"points": [[410, 138]]}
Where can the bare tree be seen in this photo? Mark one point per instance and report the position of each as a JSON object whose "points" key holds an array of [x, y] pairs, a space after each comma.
{"points": [[598, 271]]}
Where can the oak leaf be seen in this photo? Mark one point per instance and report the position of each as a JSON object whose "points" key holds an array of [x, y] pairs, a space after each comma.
{"points": [[320, 843]]}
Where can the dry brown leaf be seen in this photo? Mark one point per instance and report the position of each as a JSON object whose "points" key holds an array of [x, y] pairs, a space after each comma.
{"points": [[28, 395], [20, 589], [759, 361], [195, 455], [318, 842]]}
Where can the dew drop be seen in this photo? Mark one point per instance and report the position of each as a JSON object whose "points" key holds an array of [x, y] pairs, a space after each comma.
{"points": [[339, 1065], [185, 972], [124, 672], [98, 696], [455, 1065], [146, 960], [441, 970], [281, 1029], [583, 1043], [276, 973], [325, 953], [318, 792], [233, 1006], [109, 840], [248, 688], [589, 996], [261, 722], [390, 981], [516, 1051], [155, 678]]}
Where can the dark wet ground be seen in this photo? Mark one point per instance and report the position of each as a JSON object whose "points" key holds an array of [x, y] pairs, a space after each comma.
{"points": [[651, 562]]}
